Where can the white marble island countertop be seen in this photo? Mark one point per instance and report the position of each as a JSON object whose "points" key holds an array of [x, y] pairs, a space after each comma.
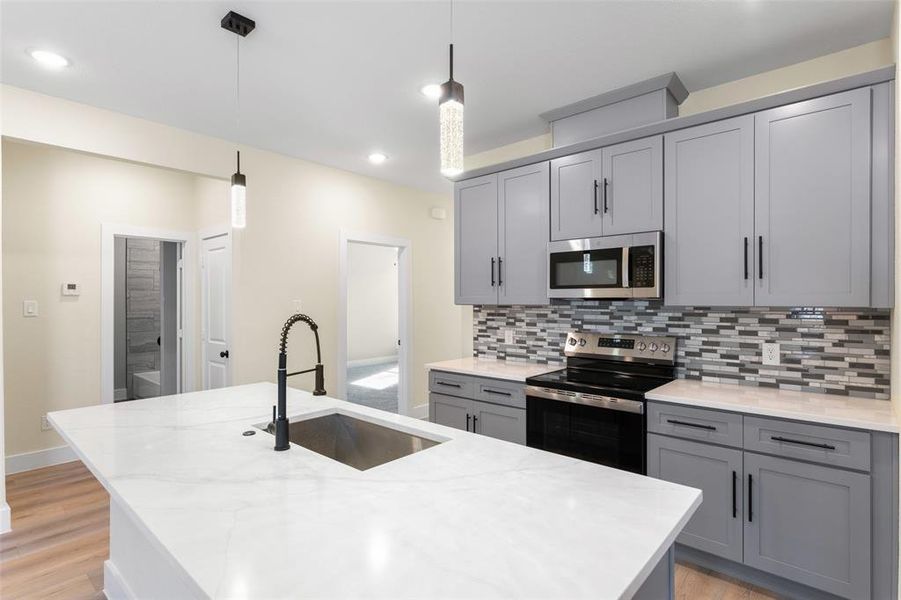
{"points": [[470, 517], [493, 368]]}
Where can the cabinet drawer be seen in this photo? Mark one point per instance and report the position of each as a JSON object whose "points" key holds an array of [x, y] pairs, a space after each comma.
{"points": [[695, 423], [506, 393], [817, 443], [451, 384]]}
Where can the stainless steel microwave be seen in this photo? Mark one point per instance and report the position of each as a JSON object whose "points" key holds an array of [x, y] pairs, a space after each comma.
{"points": [[620, 266]]}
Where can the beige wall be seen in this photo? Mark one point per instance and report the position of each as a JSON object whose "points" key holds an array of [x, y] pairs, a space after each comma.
{"points": [[289, 251], [371, 301], [859, 59], [55, 202]]}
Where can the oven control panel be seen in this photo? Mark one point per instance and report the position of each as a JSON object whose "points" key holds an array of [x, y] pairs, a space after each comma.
{"points": [[621, 345]]}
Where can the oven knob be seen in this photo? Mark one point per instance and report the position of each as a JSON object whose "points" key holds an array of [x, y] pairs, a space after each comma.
{"points": [[582, 342], [572, 341], [665, 348], [642, 346], [653, 346]]}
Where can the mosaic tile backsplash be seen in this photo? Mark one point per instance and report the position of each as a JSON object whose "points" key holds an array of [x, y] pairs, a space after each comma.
{"points": [[827, 350]]}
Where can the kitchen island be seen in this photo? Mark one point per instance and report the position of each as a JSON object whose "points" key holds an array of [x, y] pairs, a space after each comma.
{"points": [[200, 510]]}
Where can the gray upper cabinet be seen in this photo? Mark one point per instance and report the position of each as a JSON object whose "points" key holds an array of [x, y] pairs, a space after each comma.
{"points": [[631, 187], [522, 235], [475, 247], [812, 208], [575, 202], [709, 224], [808, 523], [716, 527]]}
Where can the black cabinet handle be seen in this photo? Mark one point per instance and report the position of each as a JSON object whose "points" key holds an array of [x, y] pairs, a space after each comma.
{"points": [[734, 503], [500, 277], [223, 354], [760, 255], [487, 391], [750, 498], [746, 257], [475, 420], [695, 425], [446, 384], [492, 271], [467, 421], [595, 196], [777, 438], [605, 195]]}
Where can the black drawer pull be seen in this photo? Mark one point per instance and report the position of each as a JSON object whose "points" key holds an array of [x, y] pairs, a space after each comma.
{"points": [[734, 506], [695, 425], [777, 438], [446, 384], [487, 391]]}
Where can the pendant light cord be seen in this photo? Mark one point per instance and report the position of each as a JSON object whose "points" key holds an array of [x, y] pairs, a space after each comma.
{"points": [[451, 54], [238, 83]]}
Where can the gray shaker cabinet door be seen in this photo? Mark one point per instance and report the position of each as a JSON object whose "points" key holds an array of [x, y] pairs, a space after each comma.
{"points": [[812, 206], [716, 527], [500, 422], [575, 198], [808, 523], [631, 187], [475, 243], [523, 208], [709, 223], [450, 411]]}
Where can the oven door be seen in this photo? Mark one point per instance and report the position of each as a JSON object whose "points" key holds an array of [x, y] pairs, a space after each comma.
{"points": [[581, 269], [606, 436]]}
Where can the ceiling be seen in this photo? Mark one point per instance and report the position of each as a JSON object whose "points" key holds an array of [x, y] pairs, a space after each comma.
{"points": [[333, 81]]}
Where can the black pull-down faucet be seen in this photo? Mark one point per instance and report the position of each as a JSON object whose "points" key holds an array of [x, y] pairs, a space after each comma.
{"points": [[279, 416]]}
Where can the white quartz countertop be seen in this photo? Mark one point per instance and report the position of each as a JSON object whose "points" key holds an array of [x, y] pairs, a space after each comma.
{"points": [[862, 413], [470, 517], [494, 368]]}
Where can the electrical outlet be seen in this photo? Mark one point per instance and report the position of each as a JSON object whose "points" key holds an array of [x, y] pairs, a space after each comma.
{"points": [[770, 354], [295, 304], [508, 336], [45, 424]]}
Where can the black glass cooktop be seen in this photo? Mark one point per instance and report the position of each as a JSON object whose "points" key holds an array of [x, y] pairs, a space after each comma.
{"points": [[622, 384]]}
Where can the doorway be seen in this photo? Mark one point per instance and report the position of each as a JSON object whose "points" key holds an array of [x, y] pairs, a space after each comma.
{"points": [[374, 321], [148, 355], [215, 308]]}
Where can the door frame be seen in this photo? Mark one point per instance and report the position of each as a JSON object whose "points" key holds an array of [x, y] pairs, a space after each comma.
{"points": [[203, 235], [404, 309], [109, 233]]}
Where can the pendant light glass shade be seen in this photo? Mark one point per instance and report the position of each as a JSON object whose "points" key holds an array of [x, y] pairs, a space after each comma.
{"points": [[450, 106], [239, 198]]}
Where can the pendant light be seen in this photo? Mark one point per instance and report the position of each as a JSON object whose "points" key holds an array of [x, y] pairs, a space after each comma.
{"points": [[240, 26], [450, 106]]}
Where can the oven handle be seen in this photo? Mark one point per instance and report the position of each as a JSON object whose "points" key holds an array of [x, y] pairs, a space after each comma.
{"points": [[625, 267], [597, 401]]}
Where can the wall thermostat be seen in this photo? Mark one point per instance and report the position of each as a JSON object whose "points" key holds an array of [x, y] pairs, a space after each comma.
{"points": [[71, 289]]}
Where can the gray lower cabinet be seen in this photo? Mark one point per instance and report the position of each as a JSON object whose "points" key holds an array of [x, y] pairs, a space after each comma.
{"points": [[709, 224], [450, 411], [501, 232], [501, 422], [808, 523], [631, 187], [459, 401], [716, 527], [475, 243], [812, 205], [575, 202]]}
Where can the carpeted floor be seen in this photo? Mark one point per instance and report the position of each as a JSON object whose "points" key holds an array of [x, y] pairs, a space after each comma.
{"points": [[373, 385]]}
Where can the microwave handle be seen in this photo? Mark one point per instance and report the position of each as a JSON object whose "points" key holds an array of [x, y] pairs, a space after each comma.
{"points": [[625, 266]]}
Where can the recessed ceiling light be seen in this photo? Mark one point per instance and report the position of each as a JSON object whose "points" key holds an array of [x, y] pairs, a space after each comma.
{"points": [[48, 59], [431, 91], [377, 158]]}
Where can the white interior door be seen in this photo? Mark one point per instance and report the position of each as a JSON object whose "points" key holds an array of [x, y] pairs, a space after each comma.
{"points": [[215, 269]]}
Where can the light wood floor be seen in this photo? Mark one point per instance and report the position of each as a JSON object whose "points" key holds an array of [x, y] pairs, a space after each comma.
{"points": [[60, 539]]}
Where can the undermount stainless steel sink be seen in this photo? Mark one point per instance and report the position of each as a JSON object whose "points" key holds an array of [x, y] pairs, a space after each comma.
{"points": [[354, 442]]}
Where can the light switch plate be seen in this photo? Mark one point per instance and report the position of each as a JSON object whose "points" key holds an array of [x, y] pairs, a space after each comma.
{"points": [[508, 336], [770, 354], [296, 306], [45, 424], [30, 308]]}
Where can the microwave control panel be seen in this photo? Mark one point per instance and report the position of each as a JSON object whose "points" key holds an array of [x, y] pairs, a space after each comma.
{"points": [[642, 264]]}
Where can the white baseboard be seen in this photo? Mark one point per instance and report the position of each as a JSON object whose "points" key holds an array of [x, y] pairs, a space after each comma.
{"points": [[17, 463], [5, 518], [377, 360], [420, 412]]}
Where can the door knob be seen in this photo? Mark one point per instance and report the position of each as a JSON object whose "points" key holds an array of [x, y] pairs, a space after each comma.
{"points": [[223, 354]]}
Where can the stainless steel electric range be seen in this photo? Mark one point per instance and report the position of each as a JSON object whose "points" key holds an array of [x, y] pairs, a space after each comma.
{"points": [[594, 409]]}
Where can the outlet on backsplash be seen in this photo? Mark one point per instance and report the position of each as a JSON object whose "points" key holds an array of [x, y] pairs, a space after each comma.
{"points": [[509, 336], [45, 424], [770, 354]]}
